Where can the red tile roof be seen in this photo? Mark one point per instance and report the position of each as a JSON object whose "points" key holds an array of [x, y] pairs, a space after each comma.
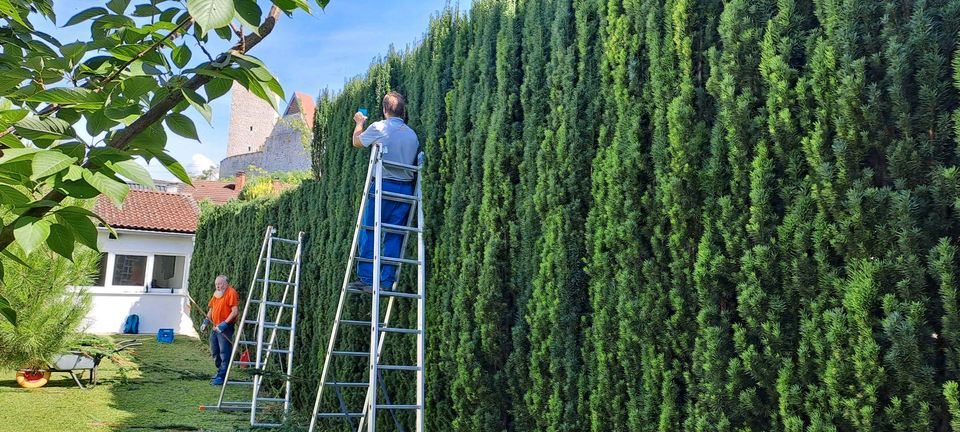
{"points": [[216, 191], [154, 211]]}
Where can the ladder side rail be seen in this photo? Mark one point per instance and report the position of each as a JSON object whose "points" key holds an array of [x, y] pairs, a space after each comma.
{"points": [[421, 309], [375, 303], [415, 207], [390, 303], [294, 270], [239, 328], [293, 324], [343, 291], [261, 316]]}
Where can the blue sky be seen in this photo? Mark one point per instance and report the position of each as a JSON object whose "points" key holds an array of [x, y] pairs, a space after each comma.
{"points": [[307, 53]]}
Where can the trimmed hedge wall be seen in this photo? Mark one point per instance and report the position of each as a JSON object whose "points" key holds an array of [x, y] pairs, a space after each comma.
{"points": [[661, 215]]}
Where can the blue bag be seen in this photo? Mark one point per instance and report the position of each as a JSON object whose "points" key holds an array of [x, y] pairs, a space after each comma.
{"points": [[132, 325]]}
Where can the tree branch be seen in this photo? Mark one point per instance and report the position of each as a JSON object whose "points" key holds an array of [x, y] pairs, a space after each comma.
{"points": [[147, 119]]}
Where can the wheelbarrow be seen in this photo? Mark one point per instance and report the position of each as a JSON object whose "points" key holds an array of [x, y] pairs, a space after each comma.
{"points": [[75, 361]]}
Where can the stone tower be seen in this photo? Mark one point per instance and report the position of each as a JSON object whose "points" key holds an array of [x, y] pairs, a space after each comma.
{"points": [[251, 121]]}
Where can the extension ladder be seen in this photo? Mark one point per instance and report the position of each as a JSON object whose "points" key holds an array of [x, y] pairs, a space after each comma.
{"points": [[274, 312], [377, 398]]}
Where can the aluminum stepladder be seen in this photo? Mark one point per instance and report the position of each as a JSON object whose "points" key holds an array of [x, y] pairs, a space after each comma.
{"points": [[275, 311], [378, 330]]}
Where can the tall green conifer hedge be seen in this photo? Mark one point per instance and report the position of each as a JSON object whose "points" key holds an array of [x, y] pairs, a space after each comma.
{"points": [[660, 215]]}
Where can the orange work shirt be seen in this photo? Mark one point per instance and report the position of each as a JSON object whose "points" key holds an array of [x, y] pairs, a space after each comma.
{"points": [[220, 307]]}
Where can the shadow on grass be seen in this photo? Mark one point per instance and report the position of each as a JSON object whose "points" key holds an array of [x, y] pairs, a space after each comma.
{"points": [[173, 380]]}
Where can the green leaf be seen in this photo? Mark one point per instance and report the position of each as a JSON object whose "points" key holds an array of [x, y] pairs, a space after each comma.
{"points": [[10, 195], [181, 55], [50, 127], [182, 125], [211, 14], [74, 51], [49, 162], [174, 167], [84, 229], [132, 171], [10, 117], [201, 105], [5, 309], [61, 240], [113, 189], [30, 232], [146, 10], [118, 6], [98, 122], [249, 14], [85, 15], [323, 3], [152, 139], [137, 86], [10, 10], [217, 87], [10, 155], [79, 97]]}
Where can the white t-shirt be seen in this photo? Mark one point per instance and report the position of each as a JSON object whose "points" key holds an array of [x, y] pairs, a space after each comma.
{"points": [[399, 144]]}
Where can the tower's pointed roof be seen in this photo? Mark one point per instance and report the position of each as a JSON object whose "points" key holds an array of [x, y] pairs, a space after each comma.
{"points": [[301, 103]]}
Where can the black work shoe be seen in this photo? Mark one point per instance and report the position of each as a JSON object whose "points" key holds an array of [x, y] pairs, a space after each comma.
{"points": [[359, 285]]}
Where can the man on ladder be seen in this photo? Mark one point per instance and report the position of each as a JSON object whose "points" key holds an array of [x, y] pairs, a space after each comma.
{"points": [[400, 144]]}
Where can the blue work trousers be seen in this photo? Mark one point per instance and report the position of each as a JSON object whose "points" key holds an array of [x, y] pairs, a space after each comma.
{"points": [[220, 346], [391, 212]]}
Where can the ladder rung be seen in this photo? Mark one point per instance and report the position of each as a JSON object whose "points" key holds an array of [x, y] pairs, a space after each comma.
{"points": [[388, 260], [272, 303], [398, 407], [401, 165], [355, 322], [393, 228], [278, 351], [240, 382], [272, 400], [266, 425], [248, 363], [283, 240], [278, 282], [399, 294], [268, 325], [399, 330], [347, 384], [393, 196], [351, 354], [280, 261], [399, 367], [339, 415]]}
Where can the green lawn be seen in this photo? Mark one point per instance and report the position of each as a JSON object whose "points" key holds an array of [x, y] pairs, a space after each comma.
{"points": [[164, 394]]}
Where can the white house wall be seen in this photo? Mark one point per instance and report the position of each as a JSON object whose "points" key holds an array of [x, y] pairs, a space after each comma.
{"points": [[112, 304]]}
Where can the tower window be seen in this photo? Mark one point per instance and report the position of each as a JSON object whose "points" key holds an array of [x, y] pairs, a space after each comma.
{"points": [[248, 148], [251, 128]]}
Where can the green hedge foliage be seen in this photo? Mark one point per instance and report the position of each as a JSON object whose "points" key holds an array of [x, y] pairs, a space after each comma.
{"points": [[661, 215]]}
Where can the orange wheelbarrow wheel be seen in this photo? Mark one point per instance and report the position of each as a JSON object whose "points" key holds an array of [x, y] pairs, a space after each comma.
{"points": [[32, 378]]}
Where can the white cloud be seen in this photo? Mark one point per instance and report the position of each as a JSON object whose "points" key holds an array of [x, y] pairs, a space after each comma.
{"points": [[199, 163]]}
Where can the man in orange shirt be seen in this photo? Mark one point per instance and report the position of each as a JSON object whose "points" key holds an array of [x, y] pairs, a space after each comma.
{"points": [[223, 309]]}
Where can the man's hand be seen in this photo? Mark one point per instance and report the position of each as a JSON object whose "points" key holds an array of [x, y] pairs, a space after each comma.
{"points": [[222, 326], [358, 118], [206, 323]]}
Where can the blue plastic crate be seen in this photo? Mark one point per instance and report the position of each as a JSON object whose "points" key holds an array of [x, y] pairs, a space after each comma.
{"points": [[165, 335]]}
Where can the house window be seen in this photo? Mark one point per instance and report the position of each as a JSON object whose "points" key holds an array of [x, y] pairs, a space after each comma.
{"points": [[129, 270], [167, 271], [102, 275]]}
